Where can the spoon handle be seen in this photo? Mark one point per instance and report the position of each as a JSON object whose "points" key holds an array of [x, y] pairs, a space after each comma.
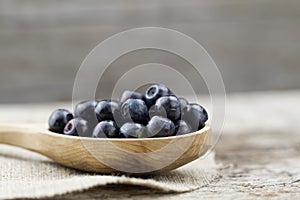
{"points": [[24, 136]]}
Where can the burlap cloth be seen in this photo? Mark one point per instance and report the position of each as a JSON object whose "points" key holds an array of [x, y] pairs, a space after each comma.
{"points": [[25, 174]]}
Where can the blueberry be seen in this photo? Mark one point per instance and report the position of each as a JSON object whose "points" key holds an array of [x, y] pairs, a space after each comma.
{"points": [[106, 129], [135, 110], [156, 91], [182, 128], [131, 95], [105, 110], [77, 127], [195, 115], [168, 106], [86, 110], [133, 130], [160, 127], [183, 103], [58, 119], [118, 118]]}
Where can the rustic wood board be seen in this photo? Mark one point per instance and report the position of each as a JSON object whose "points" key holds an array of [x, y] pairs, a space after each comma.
{"points": [[42, 43], [259, 159]]}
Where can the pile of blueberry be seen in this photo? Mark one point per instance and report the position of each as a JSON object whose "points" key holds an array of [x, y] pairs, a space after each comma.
{"points": [[157, 113]]}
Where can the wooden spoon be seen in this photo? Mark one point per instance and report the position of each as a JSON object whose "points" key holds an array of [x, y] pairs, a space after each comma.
{"points": [[140, 156]]}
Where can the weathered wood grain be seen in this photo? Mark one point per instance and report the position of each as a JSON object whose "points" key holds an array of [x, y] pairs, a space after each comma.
{"points": [[42, 43], [259, 152]]}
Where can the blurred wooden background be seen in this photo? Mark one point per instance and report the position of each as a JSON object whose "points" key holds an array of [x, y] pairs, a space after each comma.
{"points": [[42, 43]]}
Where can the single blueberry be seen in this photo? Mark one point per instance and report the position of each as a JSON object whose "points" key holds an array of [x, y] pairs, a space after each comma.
{"points": [[127, 94], [195, 115], [183, 102], [77, 127], [133, 130], [106, 129], [160, 127], [106, 109], [167, 106], [58, 120], [135, 110], [119, 119], [182, 128], [156, 91], [86, 110]]}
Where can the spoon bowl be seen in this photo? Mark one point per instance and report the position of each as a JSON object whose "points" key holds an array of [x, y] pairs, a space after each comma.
{"points": [[107, 155]]}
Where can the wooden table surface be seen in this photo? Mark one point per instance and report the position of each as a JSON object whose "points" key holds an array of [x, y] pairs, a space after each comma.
{"points": [[42, 43], [259, 149]]}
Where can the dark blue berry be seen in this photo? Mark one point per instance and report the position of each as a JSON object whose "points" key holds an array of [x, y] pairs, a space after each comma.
{"points": [[86, 110], [182, 128], [105, 110], [160, 127], [133, 130], [183, 102], [131, 95], [156, 91], [77, 127], [135, 110], [195, 115], [167, 106], [106, 129], [58, 120], [118, 118]]}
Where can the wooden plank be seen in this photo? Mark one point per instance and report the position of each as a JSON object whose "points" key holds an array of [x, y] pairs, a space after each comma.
{"points": [[42, 43], [259, 150]]}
